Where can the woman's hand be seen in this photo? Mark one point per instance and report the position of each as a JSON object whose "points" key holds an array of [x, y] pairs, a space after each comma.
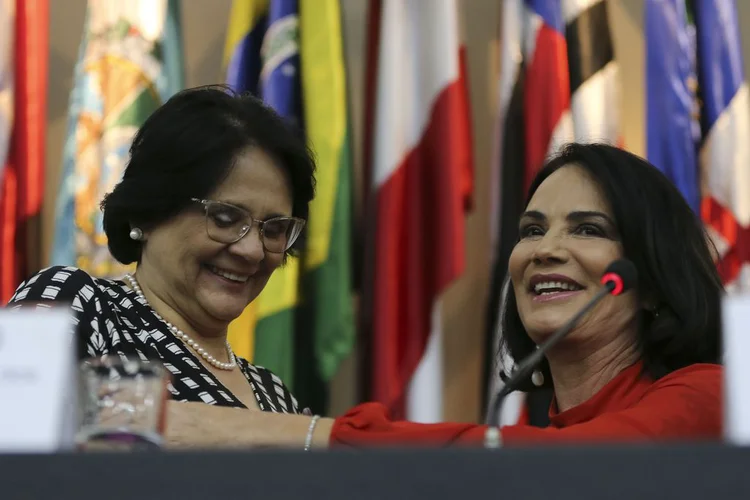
{"points": [[199, 425], [189, 424]]}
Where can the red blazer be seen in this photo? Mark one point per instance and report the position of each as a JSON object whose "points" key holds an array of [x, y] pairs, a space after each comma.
{"points": [[684, 405]]}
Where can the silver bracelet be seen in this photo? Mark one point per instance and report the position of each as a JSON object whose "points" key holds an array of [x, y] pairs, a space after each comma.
{"points": [[310, 430]]}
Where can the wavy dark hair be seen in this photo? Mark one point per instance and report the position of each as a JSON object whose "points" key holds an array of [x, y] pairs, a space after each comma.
{"points": [[667, 243], [186, 148]]}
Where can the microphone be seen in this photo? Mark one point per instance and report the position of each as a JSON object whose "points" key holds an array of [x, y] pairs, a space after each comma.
{"points": [[619, 277]]}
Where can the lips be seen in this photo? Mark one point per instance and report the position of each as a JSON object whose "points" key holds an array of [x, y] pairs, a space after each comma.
{"points": [[232, 276], [548, 284]]}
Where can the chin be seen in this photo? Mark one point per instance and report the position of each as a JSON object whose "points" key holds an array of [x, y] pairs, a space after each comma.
{"points": [[224, 308], [227, 314], [539, 329]]}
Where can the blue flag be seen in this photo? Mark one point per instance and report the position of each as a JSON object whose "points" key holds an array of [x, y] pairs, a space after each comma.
{"points": [[704, 150], [673, 130], [265, 60], [262, 57], [721, 70]]}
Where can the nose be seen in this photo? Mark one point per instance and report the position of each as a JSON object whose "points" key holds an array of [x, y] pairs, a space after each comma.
{"points": [[250, 246], [549, 249]]}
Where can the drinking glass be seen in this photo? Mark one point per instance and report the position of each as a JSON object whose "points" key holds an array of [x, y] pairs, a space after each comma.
{"points": [[122, 404]]}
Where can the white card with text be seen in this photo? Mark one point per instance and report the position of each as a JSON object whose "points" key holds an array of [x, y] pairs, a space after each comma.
{"points": [[38, 381], [736, 345]]}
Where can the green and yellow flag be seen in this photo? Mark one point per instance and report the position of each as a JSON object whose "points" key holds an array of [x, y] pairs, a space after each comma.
{"points": [[262, 57], [290, 53], [328, 312]]}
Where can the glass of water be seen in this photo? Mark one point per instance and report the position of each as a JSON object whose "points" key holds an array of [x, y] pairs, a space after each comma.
{"points": [[122, 404]]}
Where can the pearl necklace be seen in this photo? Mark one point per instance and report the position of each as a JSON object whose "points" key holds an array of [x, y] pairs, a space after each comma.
{"points": [[183, 336]]}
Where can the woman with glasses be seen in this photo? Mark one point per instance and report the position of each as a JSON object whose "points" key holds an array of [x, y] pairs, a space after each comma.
{"points": [[212, 201]]}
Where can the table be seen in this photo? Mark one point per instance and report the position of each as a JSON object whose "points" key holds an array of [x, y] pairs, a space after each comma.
{"points": [[682, 472]]}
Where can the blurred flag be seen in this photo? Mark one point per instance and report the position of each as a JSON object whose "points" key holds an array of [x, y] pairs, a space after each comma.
{"points": [[7, 67], [23, 122], [301, 326], [262, 56], [8, 269], [672, 127], [725, 152], [558, 83], [547, 121], [421, 183], [534, 118], [327, 327], [698, 121], [129, 63], [594, 73], [534, 121]]}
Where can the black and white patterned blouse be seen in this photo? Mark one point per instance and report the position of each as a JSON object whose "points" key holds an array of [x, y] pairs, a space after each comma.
{"points": [[111, 319]]}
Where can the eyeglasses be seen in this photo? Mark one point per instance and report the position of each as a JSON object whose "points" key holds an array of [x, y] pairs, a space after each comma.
{"points": [[228, 224]]}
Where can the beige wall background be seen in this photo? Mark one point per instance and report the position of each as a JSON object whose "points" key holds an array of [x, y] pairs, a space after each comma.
{"points": [[204, 23]]}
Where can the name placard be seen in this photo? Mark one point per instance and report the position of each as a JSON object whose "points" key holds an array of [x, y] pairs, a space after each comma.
{"points": [[736, 345], [37, 380]]}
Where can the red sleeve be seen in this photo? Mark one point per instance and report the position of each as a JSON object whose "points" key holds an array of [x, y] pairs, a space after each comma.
{"points": [[368, 425], [679, 406]]}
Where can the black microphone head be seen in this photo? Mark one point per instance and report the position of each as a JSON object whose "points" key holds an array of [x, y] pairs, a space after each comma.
{"points": [[622, 275]]}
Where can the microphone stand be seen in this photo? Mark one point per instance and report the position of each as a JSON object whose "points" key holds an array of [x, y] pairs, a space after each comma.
{"points": [[526, 367]]}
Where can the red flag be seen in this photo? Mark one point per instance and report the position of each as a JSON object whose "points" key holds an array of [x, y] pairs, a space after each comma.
{"points": [[534, 120], [558, 84], [421, 182], [23, 174], [547, 86]]}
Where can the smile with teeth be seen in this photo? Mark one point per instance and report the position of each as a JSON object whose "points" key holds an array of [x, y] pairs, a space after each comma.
{"points": [[237, 278], [549, 287]]}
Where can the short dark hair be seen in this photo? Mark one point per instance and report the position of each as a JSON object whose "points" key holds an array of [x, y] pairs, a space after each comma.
{"points": [[667, 243], [186, 148]]}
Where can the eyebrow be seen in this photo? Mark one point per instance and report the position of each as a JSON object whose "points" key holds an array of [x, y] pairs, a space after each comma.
{"points": [[246, 209], [577, 216]]}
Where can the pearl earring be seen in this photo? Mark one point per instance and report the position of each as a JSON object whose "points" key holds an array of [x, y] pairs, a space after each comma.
{"points": [[136, 234], [537, 378]]}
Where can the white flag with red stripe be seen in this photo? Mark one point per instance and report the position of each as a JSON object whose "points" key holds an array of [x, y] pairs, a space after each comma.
{"points": [[421, 183], [725, 155]]}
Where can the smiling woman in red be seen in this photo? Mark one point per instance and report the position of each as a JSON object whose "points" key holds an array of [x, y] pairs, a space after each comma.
{"points": [[641, 366]]}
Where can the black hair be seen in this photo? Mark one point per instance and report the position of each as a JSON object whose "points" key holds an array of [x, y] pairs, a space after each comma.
{"points": [[667, 243], [186, 148]]}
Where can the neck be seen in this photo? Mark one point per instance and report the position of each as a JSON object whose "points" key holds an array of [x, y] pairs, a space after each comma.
{"points": [[213, 340], [577, 380]]}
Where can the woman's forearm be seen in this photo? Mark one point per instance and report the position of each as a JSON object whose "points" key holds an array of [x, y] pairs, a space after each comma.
{"points": [[198, 425]]}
